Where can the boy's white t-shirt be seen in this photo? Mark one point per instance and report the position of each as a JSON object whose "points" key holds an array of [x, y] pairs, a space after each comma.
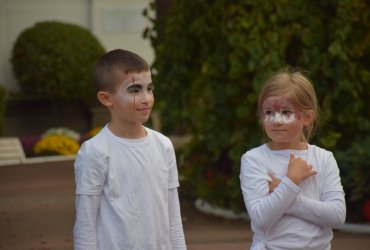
{"points": [[133, 177], [292, 217]]}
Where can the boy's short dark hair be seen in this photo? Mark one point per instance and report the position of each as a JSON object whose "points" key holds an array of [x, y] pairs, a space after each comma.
{"points": [[115, 62]]}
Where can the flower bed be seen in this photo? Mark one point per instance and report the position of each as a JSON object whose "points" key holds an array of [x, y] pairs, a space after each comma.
{"points": [[59, 141]]}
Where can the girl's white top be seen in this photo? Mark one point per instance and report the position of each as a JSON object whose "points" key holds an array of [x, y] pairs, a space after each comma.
{"points": [[292, 216]]}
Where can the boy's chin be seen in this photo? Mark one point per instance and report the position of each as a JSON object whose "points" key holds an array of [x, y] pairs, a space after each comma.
{"points": [[145, 120]]}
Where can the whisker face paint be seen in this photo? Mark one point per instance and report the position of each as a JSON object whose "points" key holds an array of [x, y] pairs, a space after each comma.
{"points": [[275, 117]]}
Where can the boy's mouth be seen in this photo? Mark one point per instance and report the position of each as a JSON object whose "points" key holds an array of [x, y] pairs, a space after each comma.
{"points": [[144, 109]]}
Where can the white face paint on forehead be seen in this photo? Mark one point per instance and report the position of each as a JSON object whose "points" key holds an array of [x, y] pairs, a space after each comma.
{"points": [[138, 78]]}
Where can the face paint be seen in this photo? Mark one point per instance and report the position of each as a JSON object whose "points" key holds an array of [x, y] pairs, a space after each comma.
{"points": [[278, 117], [279, 110], [276, 105], [133, 87]]}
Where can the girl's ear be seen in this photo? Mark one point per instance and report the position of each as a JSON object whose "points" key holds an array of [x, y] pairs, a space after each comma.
{"points": [[309, 116], [105, 98]]}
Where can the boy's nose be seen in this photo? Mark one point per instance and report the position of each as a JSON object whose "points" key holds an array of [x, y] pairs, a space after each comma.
{"points": [[146, 96]]}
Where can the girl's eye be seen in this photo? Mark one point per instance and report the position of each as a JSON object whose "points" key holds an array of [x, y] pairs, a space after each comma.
{"points": [[268, 112], [287, 112]]}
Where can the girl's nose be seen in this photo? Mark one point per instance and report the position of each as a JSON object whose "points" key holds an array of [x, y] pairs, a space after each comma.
{"points": [[277, 120]]}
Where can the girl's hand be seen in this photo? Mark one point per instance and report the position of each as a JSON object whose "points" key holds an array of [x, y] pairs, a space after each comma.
{"points": [[273, 183], [299, 169]]}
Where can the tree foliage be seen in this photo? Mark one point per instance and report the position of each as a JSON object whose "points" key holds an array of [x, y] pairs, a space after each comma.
{"points": [[213, 56]]}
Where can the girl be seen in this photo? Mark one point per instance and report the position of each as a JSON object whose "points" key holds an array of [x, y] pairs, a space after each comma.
{"points": [[291, 189]]}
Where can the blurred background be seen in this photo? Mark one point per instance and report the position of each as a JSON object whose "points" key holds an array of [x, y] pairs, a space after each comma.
{"points": [[209, 59]]}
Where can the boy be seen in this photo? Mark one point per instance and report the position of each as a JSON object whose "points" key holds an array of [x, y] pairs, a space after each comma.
{"points": [[126, 176]]}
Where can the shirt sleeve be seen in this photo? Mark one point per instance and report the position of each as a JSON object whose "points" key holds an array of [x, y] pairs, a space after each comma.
{"points": [[263, 208], [173, 179], [176, 229], [90, 170], [84, 231], [330, 210], [330, 178]]}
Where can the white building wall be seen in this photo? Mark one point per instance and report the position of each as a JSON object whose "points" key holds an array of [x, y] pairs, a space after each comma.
{"points": [[116, 23], [120, 24]]}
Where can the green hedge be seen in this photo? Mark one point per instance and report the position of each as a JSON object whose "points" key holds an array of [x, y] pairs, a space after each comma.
{"points": [[55, 59], [3, 101], [211, 59]]}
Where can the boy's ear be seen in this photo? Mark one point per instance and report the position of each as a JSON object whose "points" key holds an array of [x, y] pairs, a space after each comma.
{"points": [[105, 98], [309, 116]]}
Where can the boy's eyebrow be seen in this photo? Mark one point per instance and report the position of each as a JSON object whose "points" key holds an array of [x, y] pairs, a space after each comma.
{"points": [[135, 85], [138, 85]]}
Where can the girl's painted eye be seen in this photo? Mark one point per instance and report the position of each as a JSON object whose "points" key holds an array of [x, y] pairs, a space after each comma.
{"points": [[268, 112], [287, 112]]}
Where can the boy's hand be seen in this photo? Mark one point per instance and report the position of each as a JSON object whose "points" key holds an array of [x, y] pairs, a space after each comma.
{"points": [[299, 169], [273, 183]]}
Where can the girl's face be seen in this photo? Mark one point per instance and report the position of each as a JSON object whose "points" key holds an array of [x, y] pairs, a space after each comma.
{"points": [[283, 122], [133, 100]]}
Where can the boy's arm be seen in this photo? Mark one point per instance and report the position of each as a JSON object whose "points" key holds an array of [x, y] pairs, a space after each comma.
{"points": [[176, 230], [85, 225]]}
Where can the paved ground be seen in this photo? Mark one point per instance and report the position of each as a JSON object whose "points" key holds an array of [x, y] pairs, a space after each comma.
{"points": [[37, 212]]}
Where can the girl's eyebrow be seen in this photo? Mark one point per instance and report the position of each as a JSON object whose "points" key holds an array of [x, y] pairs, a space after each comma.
{"points": [[281, 107]]}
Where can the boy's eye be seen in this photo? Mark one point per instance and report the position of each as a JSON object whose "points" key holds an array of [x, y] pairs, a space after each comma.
{"points": [[150, 87], [134, 88]]}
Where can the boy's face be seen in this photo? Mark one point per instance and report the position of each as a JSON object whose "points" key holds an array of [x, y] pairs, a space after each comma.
{"points": [[133, 100]]}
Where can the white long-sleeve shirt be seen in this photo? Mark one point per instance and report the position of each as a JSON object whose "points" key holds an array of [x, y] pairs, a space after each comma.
{"points": [[292, 217], [126, 194]]}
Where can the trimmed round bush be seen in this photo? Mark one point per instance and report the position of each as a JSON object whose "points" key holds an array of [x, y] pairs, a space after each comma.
{"points": [[56, 59]]}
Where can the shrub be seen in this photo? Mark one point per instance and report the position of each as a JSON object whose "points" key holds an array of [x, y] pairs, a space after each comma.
{"points": [[56, 59], [58, 141], [67, 132], [28, 143], [56, 145], [211, 59], [3, 101]]}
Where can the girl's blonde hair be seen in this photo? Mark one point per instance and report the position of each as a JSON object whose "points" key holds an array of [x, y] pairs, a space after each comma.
{"points": [[294, 85]]}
